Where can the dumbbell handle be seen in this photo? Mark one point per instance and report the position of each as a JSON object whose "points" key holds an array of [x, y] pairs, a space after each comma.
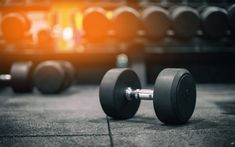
{"points": [[5, 77], [143, 94]]}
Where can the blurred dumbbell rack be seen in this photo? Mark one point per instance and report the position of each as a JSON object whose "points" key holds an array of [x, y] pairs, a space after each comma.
{"points": [[208, 60]]}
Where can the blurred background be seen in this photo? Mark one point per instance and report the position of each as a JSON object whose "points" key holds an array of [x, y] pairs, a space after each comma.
{"points": [[146, 35]]}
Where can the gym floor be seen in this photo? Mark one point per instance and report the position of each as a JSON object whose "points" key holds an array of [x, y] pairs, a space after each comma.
{"points": [[75, 118]]}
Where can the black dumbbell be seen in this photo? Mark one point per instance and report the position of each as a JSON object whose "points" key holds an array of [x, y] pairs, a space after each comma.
{"points": [[214, 22], [126, 23], [51, 77], [14, 26], [19, 78], [185, 21], [156, 22], [95, 23], [174, 95]]}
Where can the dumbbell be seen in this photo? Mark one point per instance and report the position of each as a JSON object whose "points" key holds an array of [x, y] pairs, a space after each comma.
{"points": [[126, 23], [14, 26], [95, 23], [214, 22], [185, 21], [156, 22], [45, 40], [19, 77], [51, 77], [174, 94]]}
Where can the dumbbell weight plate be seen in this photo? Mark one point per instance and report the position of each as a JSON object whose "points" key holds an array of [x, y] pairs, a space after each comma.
{"points": [[69, 73], [95, 16], [155, 18], [49, 77], [214, 22], [174, 96], [112, 93], [186, 21], [14, 26], [21, 80], [126, 23]]}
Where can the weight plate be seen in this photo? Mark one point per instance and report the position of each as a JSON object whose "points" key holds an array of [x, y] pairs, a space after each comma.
{"points": [[95, 23], [214, 22], [14, 26], [174, 96], [154, 18], [49, 77], [69, 73], [21, 80], [112, 93], [186, 21], [126, 23]]}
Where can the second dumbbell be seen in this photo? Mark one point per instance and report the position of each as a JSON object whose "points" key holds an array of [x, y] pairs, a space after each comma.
{"points": [[19, 78], [51, 77]]}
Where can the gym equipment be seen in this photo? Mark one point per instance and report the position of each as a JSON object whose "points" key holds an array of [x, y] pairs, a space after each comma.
{"points": [[44, 37], [185, 21], [51, 77], [126, 23], [19, 78], [14, 26], [214, 22], [174, 94], [95, 23], [156, 22]]}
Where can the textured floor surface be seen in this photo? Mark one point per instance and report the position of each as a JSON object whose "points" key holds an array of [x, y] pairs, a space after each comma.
{"points": [[75, 118]]}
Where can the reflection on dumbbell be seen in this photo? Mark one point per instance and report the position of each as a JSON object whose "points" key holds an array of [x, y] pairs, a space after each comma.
{"points": [[126, 23], [14, 27], [19, 77], [156, 22], [174, 95], [185, 21], [51, 77], [214, 22], [95, 23]]}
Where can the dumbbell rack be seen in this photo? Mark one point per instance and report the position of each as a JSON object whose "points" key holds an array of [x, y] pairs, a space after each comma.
{"points": [[197, 53]]}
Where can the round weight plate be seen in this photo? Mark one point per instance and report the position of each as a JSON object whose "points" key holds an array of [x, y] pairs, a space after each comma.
{"points": [[112, 93], [49, 77], [95, 23], [174, 96], [44, 36], [14, 26], [155, 18], [21, 80], [126, 23], [186, 21], [69, 73], [214, 22]]}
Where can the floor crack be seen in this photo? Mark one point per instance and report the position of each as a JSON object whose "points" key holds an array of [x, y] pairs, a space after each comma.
{"points": [[110, 133]]}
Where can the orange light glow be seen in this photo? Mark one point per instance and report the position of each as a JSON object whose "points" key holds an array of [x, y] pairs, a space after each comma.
{"points": [[67, 33], [78, 20], [69, 19], [109, 15]]}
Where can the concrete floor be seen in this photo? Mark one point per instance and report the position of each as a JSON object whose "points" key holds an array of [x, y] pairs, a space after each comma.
{"points": [[75, 118]]}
